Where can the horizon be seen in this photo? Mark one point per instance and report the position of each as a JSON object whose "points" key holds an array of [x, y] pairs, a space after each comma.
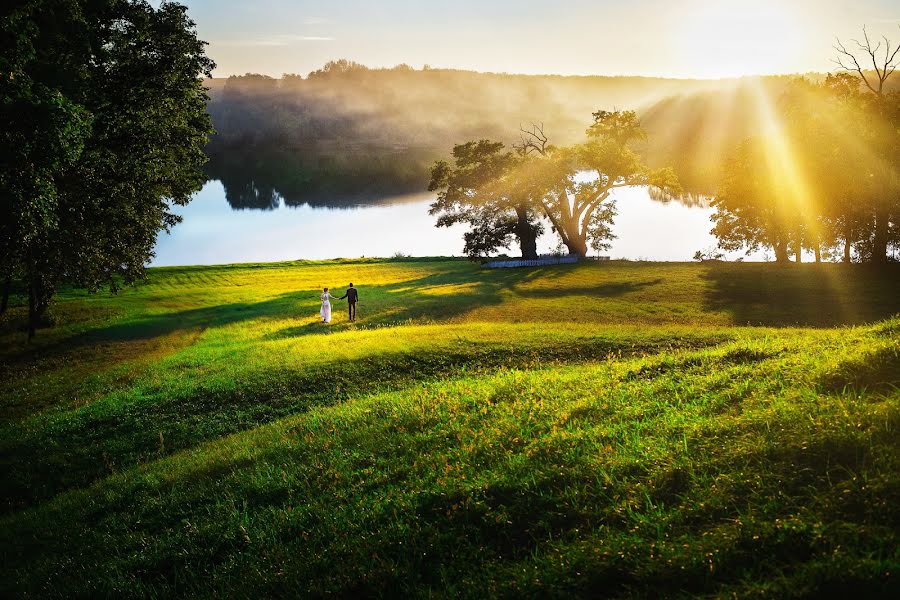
{"points": [[687, 39]]}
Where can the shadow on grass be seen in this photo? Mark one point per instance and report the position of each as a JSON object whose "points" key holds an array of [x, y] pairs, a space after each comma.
{"points": [[73, 449], [877, 371], [810, 295], [602, 290], [399, 302]]}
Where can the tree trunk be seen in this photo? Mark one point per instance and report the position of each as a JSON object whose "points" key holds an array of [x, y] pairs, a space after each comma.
{"points": [[527, 235], [781, 252], [38, 303], [848, 236], [818, 250], [577, 245], [798, 254], [572, 237], [7, 286], [879, 245]]}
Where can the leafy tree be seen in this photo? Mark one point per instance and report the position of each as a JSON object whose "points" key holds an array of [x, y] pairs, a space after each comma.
{"points": [[481, 188], [337, 67], [573, 186], [749, 207], [104, 124], [829, 124]]}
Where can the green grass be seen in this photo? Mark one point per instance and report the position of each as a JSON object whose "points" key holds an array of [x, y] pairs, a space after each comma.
{"points": [[621, 429]]}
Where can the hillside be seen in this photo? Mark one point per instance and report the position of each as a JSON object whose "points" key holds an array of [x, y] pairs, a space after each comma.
{"points": [[374, 132], [627, 429]]}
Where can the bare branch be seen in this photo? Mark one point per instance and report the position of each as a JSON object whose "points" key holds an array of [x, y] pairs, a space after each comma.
{"points": [[839, 46], [847, 60], [533, 140]]}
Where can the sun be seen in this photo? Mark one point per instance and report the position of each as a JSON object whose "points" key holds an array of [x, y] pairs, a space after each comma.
{"points": [[733, 38]]}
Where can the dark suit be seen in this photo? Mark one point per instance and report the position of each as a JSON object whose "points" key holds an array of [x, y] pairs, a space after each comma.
{"points": [[352, 297]]}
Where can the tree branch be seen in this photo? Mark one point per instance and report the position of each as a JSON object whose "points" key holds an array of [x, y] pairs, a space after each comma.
{"points": [[883, 70], [532, 141]]}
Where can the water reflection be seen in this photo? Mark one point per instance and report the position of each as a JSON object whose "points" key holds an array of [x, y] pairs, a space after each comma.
{"points": [[219, 228], [266, 176]]}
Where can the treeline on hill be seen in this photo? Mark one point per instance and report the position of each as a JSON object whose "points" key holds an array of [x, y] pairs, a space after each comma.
{"points": [[346, 134]]}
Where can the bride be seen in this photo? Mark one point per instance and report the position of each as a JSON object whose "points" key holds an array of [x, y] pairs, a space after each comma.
{"points": [[326, 306]]}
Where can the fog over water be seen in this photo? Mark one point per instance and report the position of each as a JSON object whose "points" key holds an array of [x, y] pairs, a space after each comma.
{"points": [[215, 233]]}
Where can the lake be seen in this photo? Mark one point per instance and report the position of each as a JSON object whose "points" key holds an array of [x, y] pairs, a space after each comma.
{"points": [[213, 232]]}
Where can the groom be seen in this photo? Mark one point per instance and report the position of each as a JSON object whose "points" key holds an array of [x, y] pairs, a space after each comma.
{"points": [[352, 297]]}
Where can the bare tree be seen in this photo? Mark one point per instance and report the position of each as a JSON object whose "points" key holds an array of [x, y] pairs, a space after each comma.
{"points": [[884, 67]]}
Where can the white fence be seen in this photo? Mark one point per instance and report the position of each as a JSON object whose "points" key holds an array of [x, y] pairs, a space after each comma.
{"points": [[539, 262]]}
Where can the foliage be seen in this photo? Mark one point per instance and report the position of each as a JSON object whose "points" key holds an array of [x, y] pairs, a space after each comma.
{"points": [[362, 115], [827, 179], [480, 189], [570, 186], [526, 432], [113, 135], [573, 185]]}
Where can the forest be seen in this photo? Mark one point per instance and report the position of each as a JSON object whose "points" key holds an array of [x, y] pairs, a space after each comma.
{"points": [[345, 126]]}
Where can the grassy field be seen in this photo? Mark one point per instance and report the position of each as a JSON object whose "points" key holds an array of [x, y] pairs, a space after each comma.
{"points": [[618, 429]]}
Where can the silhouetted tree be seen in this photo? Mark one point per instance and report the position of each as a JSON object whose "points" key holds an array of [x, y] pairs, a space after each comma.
{"points": [[883, 137], [480, 189], [574, 185], [749, 208], [103, 127]]}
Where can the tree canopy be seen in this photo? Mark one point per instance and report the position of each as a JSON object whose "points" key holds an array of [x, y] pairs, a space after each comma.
{"points": [[501, 194], [828, 178], [480, 189], [573, 185], [103, 127]]}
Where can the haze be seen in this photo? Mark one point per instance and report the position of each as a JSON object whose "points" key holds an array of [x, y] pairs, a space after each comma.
{"points": [[680, 38]]}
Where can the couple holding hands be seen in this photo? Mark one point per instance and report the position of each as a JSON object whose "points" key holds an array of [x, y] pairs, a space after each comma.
{"points": [[352, 297]]}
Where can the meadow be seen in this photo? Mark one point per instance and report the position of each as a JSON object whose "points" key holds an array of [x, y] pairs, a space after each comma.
{"points": [[601, 429]]}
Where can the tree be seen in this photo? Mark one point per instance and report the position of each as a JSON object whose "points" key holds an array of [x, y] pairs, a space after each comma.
{"points": [[885, 131], [749, 207], [481, 188], [112, 136], [573, 186]]}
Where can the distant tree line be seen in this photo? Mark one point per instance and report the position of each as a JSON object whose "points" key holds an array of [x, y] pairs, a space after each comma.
{"points": [[323, 126], [821, 175], [829, 180], [102, 127]]}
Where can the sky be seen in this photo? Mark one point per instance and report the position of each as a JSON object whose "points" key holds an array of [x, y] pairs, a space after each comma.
{"points": [[669, 38]]}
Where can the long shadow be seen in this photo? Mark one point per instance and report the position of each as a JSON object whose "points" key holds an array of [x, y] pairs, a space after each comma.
{"points": [[810, 295], [77, 448], [603, 290], [426, 299], [418, 299]]}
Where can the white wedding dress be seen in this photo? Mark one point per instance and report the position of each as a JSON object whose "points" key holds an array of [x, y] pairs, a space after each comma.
{"points": [[326, 306]]}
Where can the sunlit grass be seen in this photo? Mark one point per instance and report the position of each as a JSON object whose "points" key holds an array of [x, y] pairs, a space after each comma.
{"points": [[476, 432]]}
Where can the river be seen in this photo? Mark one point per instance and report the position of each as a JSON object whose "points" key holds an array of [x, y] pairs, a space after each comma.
{"points": [[213, 232]]}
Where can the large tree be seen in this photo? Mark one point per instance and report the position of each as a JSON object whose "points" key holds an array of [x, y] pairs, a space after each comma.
{"points": [[103, 127], [750, 211], [573, 186], [481, 188]]}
